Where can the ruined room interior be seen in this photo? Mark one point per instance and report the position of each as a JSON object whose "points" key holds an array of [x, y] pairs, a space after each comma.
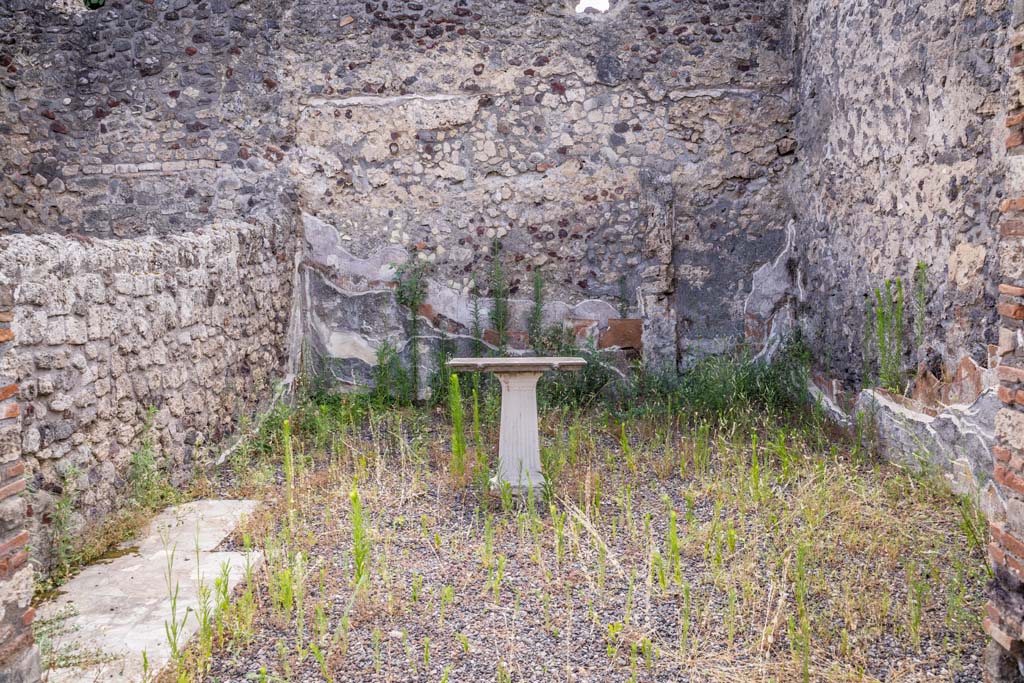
{"points": [[241, 239]]}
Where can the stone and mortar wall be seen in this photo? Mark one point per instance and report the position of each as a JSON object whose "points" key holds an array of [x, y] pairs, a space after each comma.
{"points": [[143, 117], [654, 143], [147, 242], [901, 160], [148, 225], [646, 144], [192, 327]]}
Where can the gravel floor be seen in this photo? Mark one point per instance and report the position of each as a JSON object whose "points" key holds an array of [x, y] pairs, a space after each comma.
{"points": [[444, 603]]}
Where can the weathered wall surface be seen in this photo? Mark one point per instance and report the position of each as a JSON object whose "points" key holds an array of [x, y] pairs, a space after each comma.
{"points": [[647, 149], [643, 147], [737, 167], [190, 326], [900, 160], [138, 118], [646, 144], [149, 133]]}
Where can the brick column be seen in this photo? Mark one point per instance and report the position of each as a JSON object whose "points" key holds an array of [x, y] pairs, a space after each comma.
{"points": [[1004, 612], [19, 657]]}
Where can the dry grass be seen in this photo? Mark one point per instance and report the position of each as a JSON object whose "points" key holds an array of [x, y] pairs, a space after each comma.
{"points": [[794, 559]]}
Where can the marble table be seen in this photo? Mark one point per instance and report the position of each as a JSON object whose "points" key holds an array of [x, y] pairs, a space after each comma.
{"points": [[518, 443]]}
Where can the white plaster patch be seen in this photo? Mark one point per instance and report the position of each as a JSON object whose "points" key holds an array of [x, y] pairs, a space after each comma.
{"points": [[324, 248], [351, 345], [965, 264], [695, 276]]}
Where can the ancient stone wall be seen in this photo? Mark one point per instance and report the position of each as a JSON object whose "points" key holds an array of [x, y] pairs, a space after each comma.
{"points": [[142, 117], [178, 176], [901, 161], [149, 133], [1004, 618], [190, 328], [639, 150], [147, 240]]}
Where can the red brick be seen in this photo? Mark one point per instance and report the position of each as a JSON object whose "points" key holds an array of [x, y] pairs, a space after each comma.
{"points": [[1001, 454], [1007, 540], [623, 333], [1014, 139], [996, 553], [8, 391], [6, 316], [6, 335], [14, 543], [1014, 311], [1016, 58], [11, 646], [12, 563], [11, 489], [1010, 374], [1006, 395], [1007, 477], [29, 616], [1011, 228], [1012, 549], [992, 611], [1005, 640], [1014, 118], [9, 410], [1012, 204], [1010, 290], [15, 470]]}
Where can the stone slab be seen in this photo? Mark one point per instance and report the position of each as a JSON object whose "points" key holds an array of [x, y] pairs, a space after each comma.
{"points": [[525, 364], [118, 608]]}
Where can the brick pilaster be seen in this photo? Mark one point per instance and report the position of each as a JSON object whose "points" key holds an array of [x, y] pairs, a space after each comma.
{"points": [[19, 659], [1004, 612]]}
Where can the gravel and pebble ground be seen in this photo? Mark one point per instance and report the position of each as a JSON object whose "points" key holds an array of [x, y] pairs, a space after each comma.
{"points": [[795, 557]]}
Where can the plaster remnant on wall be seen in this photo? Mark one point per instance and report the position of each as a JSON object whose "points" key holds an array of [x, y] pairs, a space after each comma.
{"points": [[966, 264], [957, 440]]}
